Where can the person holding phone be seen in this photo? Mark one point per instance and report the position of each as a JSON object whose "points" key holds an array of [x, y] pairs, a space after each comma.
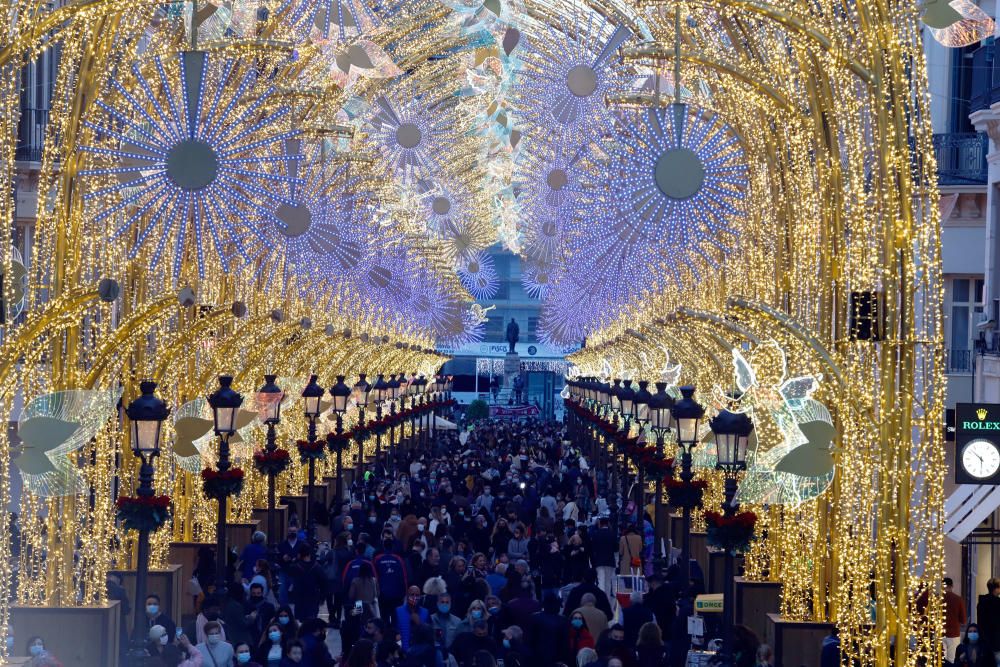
{"points": [[172, 652]]}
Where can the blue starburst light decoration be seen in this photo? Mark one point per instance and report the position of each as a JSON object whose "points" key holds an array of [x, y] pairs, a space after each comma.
{"points": [[674, 188], [536, 279], [412, 136], [197, 152], [566, 76], [351, 17], [332, 228], [479, 276]]}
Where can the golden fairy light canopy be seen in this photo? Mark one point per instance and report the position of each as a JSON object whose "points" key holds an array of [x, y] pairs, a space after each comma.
{"points": [[298, 186]]}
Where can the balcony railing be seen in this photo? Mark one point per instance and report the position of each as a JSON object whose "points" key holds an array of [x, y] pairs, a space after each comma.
{"points": [[31, 134], [961, 158], [959, 361]]}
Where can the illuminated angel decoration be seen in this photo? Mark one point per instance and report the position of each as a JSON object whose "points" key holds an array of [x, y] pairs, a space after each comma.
{"points": [[54, 426], [344, 64], [957, 23], [196, 154], [479, 276], [17, 282], [568, 73], [220, 19], [671, 374], [475, 16], [478, 314], [194, 434], [790, 454], [414, 139]]}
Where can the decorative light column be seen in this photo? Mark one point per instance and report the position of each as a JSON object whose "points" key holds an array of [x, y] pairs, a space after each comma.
{"points": [[340, 392], [732, 433], [269, 398], [225, 403], [146, 414], [312, 397], [686, 413]]}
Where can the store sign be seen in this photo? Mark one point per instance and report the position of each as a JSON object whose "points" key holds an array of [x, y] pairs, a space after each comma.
{"points": [[977, 443], [709, 603], [534, 350], [515, 411]]}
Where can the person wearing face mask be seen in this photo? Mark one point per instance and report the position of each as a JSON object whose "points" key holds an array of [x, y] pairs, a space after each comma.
{"points": [[40, 657], [286, 620], [405, 612], [256, 611], [215, 650], [287, 554], [972, 652], [467, 644], [244, 656], [390, 571], [579, 636], [211, 610], [154, 615], [271, 647], [180, 653], [446, 625], [515, 650], [612, 646], [315, 652]]}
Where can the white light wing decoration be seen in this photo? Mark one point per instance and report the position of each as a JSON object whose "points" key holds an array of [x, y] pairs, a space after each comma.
{"points": [[54, 426]]}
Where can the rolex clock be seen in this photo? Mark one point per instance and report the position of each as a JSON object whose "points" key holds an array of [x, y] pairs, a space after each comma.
{"points": [[977, 443]]}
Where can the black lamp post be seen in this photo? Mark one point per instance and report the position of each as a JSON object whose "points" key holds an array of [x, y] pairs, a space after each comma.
{"points": [[686, 413], [421, 390], [732, 433], [660, 406], [146, 413], [340, 392], [640, 405], [394, 386], [269, 399], [362, 389], [312, 397], [381, 391], [225, 403]]}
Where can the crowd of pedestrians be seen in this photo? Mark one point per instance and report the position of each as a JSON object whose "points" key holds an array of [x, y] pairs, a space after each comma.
{"points": [[498, 548]]}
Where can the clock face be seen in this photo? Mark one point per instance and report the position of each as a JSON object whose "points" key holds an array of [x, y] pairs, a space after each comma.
{"points": [[981, 459]]}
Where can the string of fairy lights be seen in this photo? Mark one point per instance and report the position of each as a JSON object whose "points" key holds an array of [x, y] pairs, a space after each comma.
{"points": [[355, 161]]}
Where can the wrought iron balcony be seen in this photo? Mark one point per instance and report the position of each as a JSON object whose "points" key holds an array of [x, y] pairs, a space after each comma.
{"points": [[961, 158], [31, 134]]}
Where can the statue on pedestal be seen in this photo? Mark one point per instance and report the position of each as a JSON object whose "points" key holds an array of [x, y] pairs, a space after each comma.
{"points": [[513, 332]]}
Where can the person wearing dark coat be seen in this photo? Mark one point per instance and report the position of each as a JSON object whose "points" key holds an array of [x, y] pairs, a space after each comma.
{"points": [[972, 651], [154, 616], [467, 644], [662, 601], [603, 549], [308, 582], [315, 653], [988, 616], [588, 585], [548, 634], [634, 617]]}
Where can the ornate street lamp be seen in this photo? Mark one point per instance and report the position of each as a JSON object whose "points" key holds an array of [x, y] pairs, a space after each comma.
{"points": [[341, 393], [269, 399], [732, 433], [421, 390], [642, 399], [146, 414], [660, 405], [225, 403], [394, 391], [687, 413], [381, 393], [312, 397]]}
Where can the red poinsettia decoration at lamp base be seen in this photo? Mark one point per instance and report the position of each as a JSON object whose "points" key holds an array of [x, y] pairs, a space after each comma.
{"points": [[142, 512], [730, 533], [219, 485], [271, 463], [311, 450], [685, 495]]}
